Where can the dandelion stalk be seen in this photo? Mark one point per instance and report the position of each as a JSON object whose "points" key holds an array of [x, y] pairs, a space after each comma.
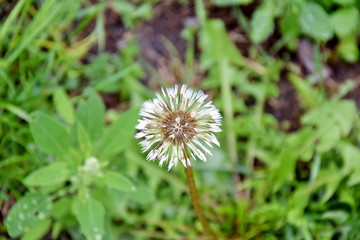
{"points": [[196, 203], [178, 125]]}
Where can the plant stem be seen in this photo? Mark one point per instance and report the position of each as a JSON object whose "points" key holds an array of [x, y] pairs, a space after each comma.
{"points": [[196, 203], [229, 122]]}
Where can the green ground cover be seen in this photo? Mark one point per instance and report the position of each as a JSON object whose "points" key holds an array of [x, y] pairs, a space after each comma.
{"points": [[289, 162]]}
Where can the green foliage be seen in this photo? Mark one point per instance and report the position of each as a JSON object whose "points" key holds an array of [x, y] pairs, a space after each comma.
{"points": [[115, 138], [77, 167], [231, 2], [315, 22], [288, 167], [278, 191], [345, 21], [50, 136], [64, 106], [90, 115], [30, 210], [91, 217], [322, 21], [262, 23], [56, 173]]}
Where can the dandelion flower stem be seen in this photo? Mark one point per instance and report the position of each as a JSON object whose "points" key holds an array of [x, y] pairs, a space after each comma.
{"points": [[196, 202]]}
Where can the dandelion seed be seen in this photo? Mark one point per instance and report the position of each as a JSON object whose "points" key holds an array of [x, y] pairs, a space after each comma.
{"points": [[178, 125]]}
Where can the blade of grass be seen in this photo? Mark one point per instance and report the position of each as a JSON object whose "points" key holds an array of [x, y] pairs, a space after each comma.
{"points": [[41, 21], [10, 19], [100, 29]]}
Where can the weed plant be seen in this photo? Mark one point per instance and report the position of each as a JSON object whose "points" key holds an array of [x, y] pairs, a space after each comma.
{"points": [[71, 168]]}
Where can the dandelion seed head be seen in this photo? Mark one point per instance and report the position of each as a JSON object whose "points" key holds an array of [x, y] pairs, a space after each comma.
{"points": [[178, 125]]}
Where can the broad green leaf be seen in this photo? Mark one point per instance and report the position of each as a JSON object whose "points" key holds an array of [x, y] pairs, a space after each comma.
{"points": [[117, 181], [64, 106], [344, 113], [91, 115], [38, 231], [118, 135], [262, 25], [345, 21], [27, 213], [84, 140], [348, 49], [55, 173], [285, 168], [290, 26], [90, 214], [315, 22], [50, 136], [61, 207], [354, 178], [351, 157], [330, 136]]}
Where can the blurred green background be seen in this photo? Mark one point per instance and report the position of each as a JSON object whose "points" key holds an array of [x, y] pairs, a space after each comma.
{"points": [[284, 74]]}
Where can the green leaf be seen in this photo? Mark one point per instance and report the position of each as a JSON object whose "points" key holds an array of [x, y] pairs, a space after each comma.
{"points": [[354, 179], [56, 230], [307, 95], [344, 2], [50, 136], [38, 231], [329, 137], [315, 22], [262, 25], [331, 178], [117, 137], [302, 142], [348, 49], [227, 3], [117, 181], [290, 26], [337, 216], [286, 166], [61, 207], [55, 173], [216, 45], [91, 115], [341, 113], [27, 213], [84, 140], [64, 106], [142, 195], [344, 113], [90, 214], [351, 157], [345, 21], [332, 121]]}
